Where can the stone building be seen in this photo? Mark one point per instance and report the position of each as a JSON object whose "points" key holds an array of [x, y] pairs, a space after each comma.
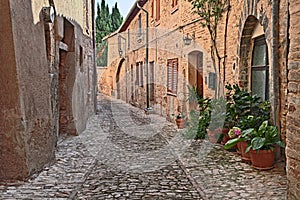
{"points": [[258, 42], [48, 79]]}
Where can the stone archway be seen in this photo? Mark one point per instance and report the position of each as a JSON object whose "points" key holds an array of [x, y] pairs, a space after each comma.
{"points": [[120, 80], [246, 46]]}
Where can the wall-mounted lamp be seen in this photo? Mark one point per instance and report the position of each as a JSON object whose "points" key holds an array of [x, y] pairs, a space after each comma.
{"points": [[48, 14], [187, 39], [120, 38], [120, 52]]}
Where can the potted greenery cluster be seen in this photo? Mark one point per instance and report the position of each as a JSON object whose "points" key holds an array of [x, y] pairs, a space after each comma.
{"points": [[180, 121], [216, 130], [199, 118], [262, 144]]}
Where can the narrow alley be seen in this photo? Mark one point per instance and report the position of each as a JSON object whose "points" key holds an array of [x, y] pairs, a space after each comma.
{"points": [[125, 154]]}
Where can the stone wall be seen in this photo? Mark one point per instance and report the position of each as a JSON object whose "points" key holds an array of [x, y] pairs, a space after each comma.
{"points": [[30, 71], [12, 124], [281, 31]]}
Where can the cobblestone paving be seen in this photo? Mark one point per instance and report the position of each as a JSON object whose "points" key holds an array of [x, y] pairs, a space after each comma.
{"points": [[125, 154]]}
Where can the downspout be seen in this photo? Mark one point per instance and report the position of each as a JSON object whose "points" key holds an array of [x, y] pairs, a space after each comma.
{"points": [[147, 56], [275, 62], [94, 57]]}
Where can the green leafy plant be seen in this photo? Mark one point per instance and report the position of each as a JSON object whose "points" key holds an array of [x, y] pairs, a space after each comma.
{"points": [[264, 138], [245, 135], [243, 109], [199, 118]]}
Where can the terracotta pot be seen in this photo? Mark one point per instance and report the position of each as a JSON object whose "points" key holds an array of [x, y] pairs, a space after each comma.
{"points": [[226, 136], [239, 148], [263, 159], [245, 156], [213, 135], [180, 123]]}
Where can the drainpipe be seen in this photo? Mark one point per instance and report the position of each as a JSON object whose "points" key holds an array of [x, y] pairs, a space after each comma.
{"points": [[275, 62], [147, 56], [94, 57]]}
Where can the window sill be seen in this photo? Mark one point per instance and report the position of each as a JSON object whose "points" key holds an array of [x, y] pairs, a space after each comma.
{"points": [[174, 9], [157, 23], [171, 94]]}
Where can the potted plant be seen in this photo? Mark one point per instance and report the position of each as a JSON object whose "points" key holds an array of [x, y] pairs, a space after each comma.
{"points": [[200, 117], [261, 148], [240, 139], [180, 121], [216, 130]]}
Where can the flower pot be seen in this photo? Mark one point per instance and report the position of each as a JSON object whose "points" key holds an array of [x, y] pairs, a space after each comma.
{"points": [[213, 135], [226, 136], [245, 156], [263, 159], [180, 123], [239, 148]]}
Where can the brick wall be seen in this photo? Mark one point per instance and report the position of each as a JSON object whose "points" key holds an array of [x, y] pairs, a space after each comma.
{"points": [[293, 104], [29, 109]]}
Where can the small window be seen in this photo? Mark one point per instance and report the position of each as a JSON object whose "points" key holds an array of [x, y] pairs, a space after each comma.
{"points": [[157, 10], [152, 9], [128, 39], [174, 3], [172, 75], [140, 26], [212, 80], [137, 79], [139, 74], [81, 58], [260, 69], [87, 14]]}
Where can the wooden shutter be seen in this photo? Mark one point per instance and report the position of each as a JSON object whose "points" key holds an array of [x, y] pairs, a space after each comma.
{"points": [[175, 75], [172, 75], [142, 74], [137, 74]]}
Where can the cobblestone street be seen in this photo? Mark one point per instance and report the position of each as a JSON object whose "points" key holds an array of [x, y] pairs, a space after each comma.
{"points": [[125, 154]]}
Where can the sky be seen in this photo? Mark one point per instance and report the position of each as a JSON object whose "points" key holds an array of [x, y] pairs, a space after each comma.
{"points": [[123, 5]]}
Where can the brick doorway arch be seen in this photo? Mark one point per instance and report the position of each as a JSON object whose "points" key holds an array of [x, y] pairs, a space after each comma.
{"points": [[195, 70]]}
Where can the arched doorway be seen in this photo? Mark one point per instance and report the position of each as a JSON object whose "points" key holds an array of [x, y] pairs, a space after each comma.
{"points": [[120, 80], [195, 70]]}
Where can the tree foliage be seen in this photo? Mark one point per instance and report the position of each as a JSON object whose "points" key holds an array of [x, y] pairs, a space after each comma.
{"points": [[106, 23]]}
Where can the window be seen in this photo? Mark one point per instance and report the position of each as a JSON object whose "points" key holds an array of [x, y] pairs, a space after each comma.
{"points": [[152, 80], [260, 69], [87, 14], [172, 66], [137, 71], [174, 3], [128, 39], [140, 26], [212, 80], [157, 10], [152, 8], [139, 74]]}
